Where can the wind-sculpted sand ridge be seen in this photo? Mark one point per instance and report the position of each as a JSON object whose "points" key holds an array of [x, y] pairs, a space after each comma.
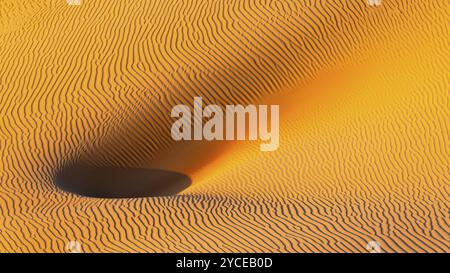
{"points": [[363, 95]]}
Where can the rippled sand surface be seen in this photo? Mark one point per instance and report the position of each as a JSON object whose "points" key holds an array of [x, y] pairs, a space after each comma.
{"points": [[364, 124]]}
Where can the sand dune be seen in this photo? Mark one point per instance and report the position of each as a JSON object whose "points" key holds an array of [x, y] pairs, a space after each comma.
{"points": [[364, 148]]}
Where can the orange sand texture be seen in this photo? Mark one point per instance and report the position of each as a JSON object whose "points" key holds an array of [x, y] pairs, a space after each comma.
{"points": [[364, 123]]}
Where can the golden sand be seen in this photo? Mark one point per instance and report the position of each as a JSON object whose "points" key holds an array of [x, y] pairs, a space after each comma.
{"points": [[364, 124]]}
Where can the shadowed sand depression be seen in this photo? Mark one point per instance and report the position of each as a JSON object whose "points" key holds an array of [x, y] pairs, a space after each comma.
{"points": [[118, 182]]}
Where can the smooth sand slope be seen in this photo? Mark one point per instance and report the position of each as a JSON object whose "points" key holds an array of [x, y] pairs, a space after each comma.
{"points": [[364, 125]]}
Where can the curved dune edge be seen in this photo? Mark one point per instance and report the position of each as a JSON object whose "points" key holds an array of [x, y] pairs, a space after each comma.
{"points": [[363, 154]]}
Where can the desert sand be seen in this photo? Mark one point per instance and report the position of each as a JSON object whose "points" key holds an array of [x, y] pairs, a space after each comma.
{"points": [[364, 124]]}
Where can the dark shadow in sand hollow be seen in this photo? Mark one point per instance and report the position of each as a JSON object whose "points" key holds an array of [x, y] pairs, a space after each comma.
{"points": [[117, 182]]}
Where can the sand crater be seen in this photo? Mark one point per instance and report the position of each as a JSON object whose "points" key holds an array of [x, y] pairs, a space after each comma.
{"points": [[119, 182]]}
